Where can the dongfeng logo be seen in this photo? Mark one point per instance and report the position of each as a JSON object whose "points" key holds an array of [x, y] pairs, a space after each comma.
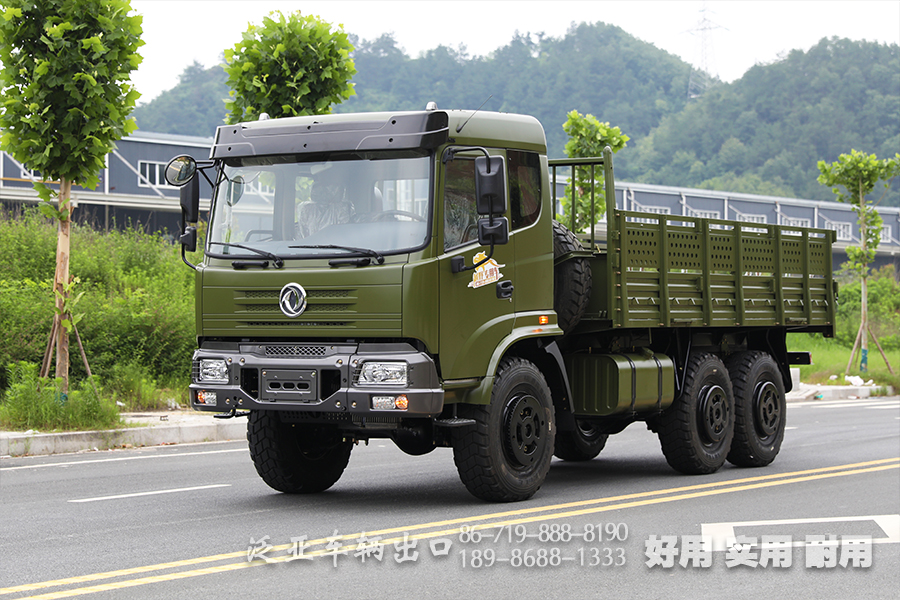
{"points": [[292, 300]]}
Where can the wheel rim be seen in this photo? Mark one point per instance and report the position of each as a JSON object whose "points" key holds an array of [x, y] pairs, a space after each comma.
{"points": [[524, 426], [713, 413], [766, 409]]}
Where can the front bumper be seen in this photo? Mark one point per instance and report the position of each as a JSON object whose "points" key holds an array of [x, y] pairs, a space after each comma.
{"points": [[315, 380]]}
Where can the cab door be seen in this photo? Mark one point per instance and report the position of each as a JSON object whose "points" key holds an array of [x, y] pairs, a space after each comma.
{"points": [[473, 319]]}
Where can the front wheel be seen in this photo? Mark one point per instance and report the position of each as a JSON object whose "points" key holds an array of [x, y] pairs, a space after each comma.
{"points": [[696, 431], [296, 458], [506, 455]]}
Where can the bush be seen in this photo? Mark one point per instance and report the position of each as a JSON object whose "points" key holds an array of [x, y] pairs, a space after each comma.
{"points": [[32, 402], [138, 302], [884, 309]]}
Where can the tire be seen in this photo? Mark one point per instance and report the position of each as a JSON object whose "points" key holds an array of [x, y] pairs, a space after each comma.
{"points": [[584, 443], [695, 433], [571, 279], [506, 455], [295, 459], [760, 409]]}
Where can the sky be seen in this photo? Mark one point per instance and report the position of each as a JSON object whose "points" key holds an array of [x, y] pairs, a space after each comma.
{"points": [[737, 34]]}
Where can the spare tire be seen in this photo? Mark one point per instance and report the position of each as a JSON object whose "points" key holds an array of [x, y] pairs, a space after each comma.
{"points": [[572, 279]]}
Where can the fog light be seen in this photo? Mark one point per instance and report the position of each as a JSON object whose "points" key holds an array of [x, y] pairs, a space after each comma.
{"points": [[206, 397], [382, 402], [390, 402]]}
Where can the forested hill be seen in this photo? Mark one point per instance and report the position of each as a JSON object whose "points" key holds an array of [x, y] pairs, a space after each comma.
{"points": [[761, 134]]}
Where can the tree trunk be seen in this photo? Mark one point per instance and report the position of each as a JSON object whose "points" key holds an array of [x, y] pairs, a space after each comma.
{"points": [[62, 280], [864, 299]]}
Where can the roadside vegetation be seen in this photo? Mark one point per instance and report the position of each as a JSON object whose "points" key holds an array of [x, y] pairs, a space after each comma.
{"points": [[137, 323], [830, 356]]}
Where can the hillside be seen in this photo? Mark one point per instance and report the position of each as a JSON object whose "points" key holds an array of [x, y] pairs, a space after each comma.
{"points": [[761, 134]]}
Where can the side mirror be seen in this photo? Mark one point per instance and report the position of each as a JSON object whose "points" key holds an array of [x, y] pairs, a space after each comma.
{"points": [[493, 231], [180, 170], [190, 201], [490, 185]]}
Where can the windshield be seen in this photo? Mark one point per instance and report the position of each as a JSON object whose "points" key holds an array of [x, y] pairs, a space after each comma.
{"points": [[342, 205]]}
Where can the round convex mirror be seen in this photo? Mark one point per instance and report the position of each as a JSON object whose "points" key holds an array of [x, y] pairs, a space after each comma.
{"points": [[234, 190], [180, 170]]}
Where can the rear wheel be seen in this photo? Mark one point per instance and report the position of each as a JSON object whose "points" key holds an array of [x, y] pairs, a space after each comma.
{"points": [[759, 407], [696, 431], [584, 443], [296, 458], [505, 456]]}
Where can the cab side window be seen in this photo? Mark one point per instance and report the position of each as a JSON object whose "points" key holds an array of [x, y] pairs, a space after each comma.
{"points": [[524, 176], [460, 216]]}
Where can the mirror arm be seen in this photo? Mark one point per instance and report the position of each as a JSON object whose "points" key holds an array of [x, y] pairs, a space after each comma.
{"points": [[451, 151], [186, 261], [458, 263]]}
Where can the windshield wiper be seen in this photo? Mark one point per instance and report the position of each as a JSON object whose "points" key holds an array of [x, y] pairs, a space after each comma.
{"points": [[364, 251], [276, 260]]}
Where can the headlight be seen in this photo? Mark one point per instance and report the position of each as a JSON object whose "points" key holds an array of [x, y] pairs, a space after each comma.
{"points": [[213, 371], [383, 373]]}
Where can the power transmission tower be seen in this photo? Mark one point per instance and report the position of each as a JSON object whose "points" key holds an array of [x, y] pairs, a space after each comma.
{"points": [[703, 74]]}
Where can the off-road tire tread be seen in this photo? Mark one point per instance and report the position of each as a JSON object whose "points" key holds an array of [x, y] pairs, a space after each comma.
{"points": [[571, 446], [572, 279], [674, 425], [472, 444], [742, 453], [282, 466]]}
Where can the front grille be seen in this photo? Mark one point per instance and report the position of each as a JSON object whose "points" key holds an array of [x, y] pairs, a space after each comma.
{"points": [[293, 416], [295, 350], [260, 294], [295, 324]]}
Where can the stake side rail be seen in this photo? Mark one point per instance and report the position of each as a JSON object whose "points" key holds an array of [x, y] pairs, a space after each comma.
{"points": [[670, 271]]}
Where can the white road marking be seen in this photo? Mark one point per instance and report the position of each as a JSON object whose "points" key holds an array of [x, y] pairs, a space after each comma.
{"points": [[103, 460], [153, 493], [721, 533]]}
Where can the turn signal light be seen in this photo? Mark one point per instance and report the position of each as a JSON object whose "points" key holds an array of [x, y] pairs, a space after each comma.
{"points": [[543, 320]]}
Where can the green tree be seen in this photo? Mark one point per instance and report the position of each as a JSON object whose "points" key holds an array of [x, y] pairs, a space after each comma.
{"points": [[65, 75], [288, 66], [858, 173], [587, 138], [193, 107]]}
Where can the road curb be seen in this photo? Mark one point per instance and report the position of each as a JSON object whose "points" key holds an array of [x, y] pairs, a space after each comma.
{"points": [[206, 430], [806, 393]]}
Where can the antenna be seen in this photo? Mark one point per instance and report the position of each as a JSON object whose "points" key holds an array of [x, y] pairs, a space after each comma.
{"points": [[460, 128]]}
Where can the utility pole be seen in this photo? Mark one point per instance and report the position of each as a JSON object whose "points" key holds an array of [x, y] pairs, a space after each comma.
{"points": [[703, 71]]}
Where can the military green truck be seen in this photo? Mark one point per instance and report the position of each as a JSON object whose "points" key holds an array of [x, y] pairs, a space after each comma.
{"points": [[401, 275]]}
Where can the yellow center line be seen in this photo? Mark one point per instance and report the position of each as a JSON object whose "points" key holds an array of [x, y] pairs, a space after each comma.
{"points": [[584, 507]]}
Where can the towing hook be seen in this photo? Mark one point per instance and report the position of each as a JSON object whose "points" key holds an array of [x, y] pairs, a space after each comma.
{"points": [[232, 414]]}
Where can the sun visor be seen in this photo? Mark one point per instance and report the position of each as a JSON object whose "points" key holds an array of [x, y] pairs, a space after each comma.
{"points": [[332, 133]]}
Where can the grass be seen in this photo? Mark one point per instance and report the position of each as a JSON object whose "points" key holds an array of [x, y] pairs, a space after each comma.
{"points": [[35, 403], [830, 358]]}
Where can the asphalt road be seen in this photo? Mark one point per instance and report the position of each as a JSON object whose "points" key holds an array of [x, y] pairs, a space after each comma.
{"points": [[823, 521]]}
